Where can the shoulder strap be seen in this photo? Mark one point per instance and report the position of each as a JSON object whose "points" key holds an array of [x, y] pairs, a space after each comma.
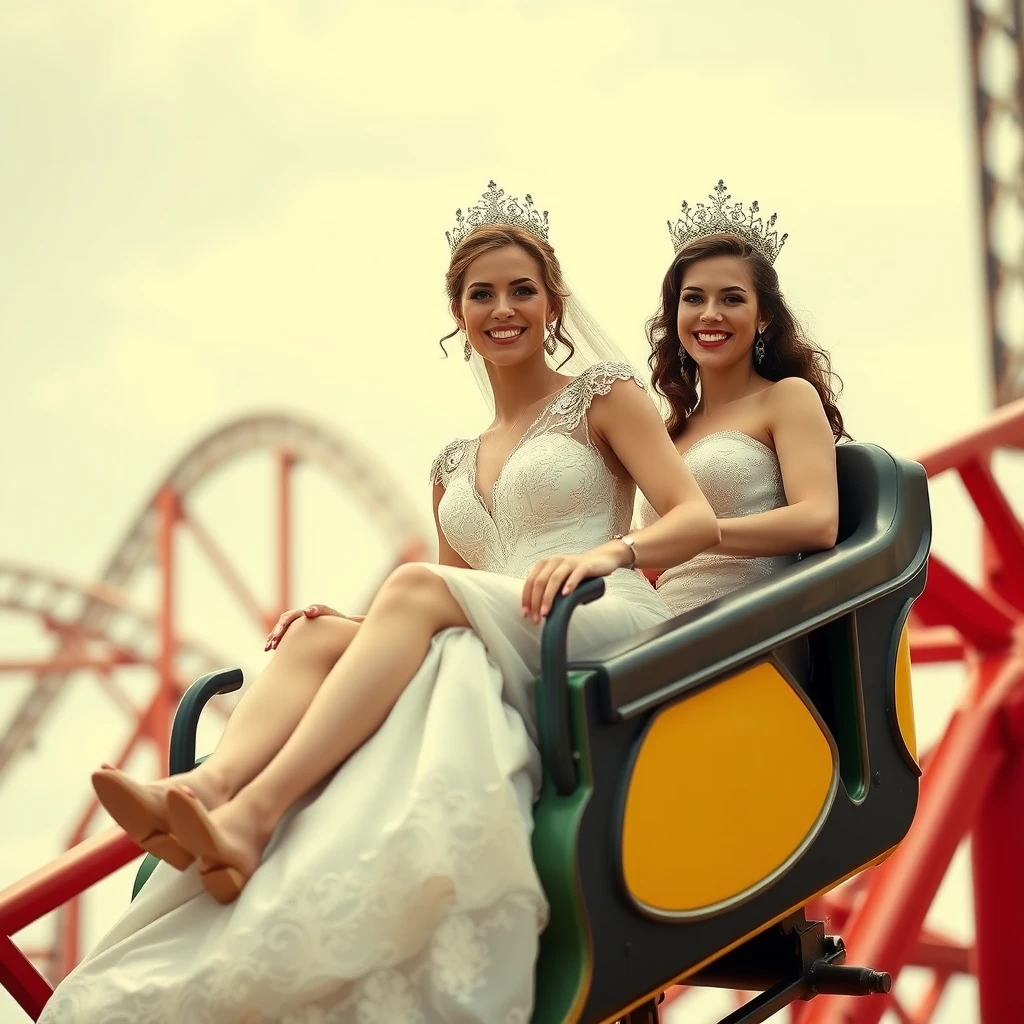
{"points": [[448, 461], [572, 405], [601, 376]]}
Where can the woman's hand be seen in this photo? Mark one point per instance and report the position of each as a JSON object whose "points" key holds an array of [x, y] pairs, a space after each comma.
{"points": [[565, 573], [312, 611]]}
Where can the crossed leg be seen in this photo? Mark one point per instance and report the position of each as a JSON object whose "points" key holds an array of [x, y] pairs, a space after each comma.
{"points": [[347, 709], [272, 708], [257, 729]]}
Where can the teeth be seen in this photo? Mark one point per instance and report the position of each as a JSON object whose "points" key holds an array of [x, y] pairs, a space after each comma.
{"points": [[514, 333], [711, 337]]}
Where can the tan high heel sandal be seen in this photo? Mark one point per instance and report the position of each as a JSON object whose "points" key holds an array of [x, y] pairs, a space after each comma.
{"points": [[224, 875], [142, 814]]}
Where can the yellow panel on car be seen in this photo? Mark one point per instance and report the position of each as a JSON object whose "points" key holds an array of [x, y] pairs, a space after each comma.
{"points": [[727, 789], [905, 695]]}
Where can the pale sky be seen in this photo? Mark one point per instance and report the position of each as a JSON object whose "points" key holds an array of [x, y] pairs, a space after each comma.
{"points": [[211, 210]]}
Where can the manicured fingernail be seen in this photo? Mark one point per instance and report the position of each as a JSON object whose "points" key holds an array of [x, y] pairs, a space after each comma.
{"points": [[543, 610]]}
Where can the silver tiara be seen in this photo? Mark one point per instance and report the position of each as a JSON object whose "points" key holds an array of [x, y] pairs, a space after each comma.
{"points": [[494, 208], [718, 218]]}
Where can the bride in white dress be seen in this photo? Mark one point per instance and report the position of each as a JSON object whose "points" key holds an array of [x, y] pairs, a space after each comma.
{"points": [[752, 404], [357, 849]]}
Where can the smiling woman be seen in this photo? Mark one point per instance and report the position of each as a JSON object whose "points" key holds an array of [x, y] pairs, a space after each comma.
{"points": [[752, 406], [521, 299], [371, 858]]}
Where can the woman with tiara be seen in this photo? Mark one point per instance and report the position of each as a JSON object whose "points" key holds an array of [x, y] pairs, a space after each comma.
{"points": [[375, 865], [752, 406]]}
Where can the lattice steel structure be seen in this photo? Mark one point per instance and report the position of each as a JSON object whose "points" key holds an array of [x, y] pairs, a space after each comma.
{"points": [[97, 627], [997, 69]]}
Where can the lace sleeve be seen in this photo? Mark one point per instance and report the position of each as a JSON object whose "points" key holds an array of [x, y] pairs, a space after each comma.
{"points": [[602, 376], [448, 461], [596, 380]]}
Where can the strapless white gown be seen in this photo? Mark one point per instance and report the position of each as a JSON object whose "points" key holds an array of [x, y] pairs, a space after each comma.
{"points": [[739, 476], [402, 890]]}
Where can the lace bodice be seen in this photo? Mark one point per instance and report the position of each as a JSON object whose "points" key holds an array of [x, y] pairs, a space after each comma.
{"points": [[740, 477], [554, 493]]}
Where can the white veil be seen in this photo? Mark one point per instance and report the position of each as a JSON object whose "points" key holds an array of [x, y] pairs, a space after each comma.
{"points": [[590, 344]]}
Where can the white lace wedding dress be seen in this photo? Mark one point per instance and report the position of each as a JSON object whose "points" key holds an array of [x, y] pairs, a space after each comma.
{"points": [[739, 476], [402, 890]]}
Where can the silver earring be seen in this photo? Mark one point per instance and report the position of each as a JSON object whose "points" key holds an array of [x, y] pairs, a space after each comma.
{"points": [[467, 349], [550, 343], [759, 348]]}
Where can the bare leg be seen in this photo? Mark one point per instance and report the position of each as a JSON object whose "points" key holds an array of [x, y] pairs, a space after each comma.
{"points": [[271, 709], [353, 702], [255, 732]]}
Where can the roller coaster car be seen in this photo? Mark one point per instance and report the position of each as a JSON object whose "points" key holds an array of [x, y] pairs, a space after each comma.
{"points": [[707, 779]]}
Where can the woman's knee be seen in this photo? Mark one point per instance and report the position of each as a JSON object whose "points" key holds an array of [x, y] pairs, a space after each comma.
{"points": [[322, 640], [415, 588]]}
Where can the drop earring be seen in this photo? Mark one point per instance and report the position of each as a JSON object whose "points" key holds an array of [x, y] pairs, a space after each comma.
{"points": [[467, 349], [759, 348], [550, 343]]}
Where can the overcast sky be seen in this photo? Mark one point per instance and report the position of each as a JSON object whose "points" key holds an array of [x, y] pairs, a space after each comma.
{"points": [[209, 210]]}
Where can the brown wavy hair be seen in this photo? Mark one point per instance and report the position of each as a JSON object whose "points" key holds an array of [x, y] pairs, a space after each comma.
{"points": [[788, 352], [489, 237]]}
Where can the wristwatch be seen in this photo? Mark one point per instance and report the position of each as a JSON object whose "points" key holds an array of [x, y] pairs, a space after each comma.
{"points": [[631, 544]]}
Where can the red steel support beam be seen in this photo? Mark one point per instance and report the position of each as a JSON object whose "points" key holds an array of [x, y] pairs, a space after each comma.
{"points": [[1002, 527], [1002, 429], [883, 929], [68, 932], [936, 644], [997, 861], [17, 974], [231, 577], [949, 600], [52, 885], [168, 516], [42, 892]]}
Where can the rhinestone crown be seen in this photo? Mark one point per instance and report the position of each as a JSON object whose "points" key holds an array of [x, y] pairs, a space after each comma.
{"points": [[494, 208], [720, 218]]}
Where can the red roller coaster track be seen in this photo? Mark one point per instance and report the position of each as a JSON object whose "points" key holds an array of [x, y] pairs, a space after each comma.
{"points": [[99, 628], [151, 535]]}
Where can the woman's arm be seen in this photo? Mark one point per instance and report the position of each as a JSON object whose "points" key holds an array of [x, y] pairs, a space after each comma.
{"points": [[807, 457], [628, 422], [446, 554]]}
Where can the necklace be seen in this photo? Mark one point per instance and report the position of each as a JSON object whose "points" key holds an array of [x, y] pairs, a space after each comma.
{"points": [[508, 433]]}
